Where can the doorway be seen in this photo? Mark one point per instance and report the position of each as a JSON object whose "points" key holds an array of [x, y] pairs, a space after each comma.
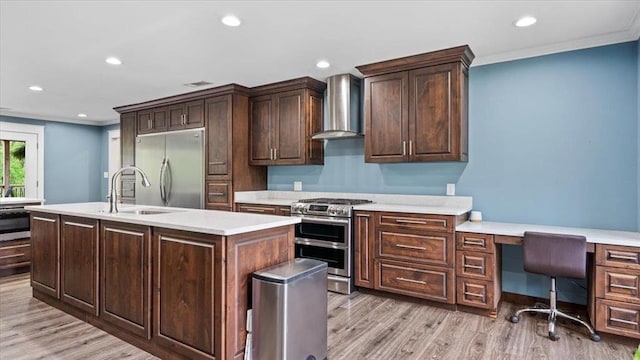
{"points": [[22, 160]]}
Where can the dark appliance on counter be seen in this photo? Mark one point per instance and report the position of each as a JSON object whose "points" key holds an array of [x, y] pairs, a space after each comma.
{"points": [[326, 234]]}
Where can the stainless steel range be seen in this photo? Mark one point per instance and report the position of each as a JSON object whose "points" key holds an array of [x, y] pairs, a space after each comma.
{"points": [[326, 233]]}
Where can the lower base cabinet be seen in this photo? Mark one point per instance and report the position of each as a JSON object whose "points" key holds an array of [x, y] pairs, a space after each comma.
{"points": [[421, 281]]}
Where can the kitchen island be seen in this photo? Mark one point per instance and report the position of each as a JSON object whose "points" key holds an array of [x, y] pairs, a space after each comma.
{"points": [[172, 281]]}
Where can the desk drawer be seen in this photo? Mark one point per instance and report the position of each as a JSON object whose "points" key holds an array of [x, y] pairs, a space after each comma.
{"points": [[475, 293], [618, 256], [475, 265], [618, 318], [475, 242], [417, 221], [426, 282], [618, 284], [429, 248]]}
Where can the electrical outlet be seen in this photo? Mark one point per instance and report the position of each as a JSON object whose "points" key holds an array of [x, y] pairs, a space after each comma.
{"points": [[105, 174], [297, 186], [451, 189]]}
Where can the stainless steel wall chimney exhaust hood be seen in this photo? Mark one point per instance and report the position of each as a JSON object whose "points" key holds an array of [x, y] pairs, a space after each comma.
{"points": [[344, 118]]}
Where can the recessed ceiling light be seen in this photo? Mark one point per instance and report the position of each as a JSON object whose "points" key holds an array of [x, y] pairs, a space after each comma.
{"points": [[231, 20], [35, 88], [112, 60], [525, 21], [82, 115], [323, 64]]}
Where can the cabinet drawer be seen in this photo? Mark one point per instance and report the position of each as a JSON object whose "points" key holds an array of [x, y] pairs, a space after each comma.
{"points": [[475, 242], [618, 256], [475, 265], [618, 318], [218, 194], [426, 282], [618, 284], [430, 248], [15, 254], [256, 209], [417, 221], [476, 293]]}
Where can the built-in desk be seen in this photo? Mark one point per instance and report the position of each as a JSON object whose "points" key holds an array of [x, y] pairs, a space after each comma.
{"points": [[614, 276]]}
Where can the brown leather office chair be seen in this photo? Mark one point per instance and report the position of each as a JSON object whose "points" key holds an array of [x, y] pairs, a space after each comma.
{"points": [[555, 255]]}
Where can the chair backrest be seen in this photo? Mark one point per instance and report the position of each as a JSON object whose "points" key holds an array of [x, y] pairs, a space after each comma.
{"points": [[555, 254]]}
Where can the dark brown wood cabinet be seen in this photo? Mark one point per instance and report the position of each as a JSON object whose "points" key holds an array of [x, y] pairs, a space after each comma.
{"points": [[187, 115], [125, 277], [15, 256], [416, 107], [409, 254], [45, 253], [152, 120], [79, 263], [616, 290], [264, 209], [283, 118]]}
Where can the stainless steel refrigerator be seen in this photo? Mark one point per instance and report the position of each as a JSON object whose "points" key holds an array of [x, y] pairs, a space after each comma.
{"points": [[174, 163]]}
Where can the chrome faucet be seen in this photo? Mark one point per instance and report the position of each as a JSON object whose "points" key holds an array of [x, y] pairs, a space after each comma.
{"points": [[113, 198]]}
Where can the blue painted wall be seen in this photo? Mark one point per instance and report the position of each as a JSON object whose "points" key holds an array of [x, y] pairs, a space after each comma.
{"points": [[553, 140], [72, 160]]}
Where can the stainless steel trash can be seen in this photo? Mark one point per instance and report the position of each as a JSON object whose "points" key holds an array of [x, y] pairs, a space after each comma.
{"points": [[290, 311]]}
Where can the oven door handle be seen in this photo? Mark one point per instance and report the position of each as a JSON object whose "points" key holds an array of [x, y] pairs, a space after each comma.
{"points": [[321, 220], [322, 244]]}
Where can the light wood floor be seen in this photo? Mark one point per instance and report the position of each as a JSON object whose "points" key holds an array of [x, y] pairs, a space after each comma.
{"points": [[361, 326]]}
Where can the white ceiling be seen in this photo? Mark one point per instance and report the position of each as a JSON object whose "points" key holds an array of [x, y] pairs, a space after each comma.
{"points": [[61, 45]]}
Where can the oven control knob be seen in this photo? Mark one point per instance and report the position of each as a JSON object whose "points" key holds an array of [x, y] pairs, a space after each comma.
{"points": [[345, 211]]}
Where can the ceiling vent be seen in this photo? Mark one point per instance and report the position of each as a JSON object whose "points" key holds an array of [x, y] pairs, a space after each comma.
{"points": [[198, 84]]}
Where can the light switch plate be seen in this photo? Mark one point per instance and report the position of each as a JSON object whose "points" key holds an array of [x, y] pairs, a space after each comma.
{"points": [[297, 186], [451, 189], [105, 174]]}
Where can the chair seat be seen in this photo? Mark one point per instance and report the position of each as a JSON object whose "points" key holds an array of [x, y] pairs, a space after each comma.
{"points": [[555, 254]]}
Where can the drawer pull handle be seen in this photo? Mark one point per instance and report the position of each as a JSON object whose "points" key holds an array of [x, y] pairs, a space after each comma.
{"points": [[634, 323], [474, 242], [410, 247], [480, 267], [623, 287], [474, 294], [254, 209], [216, 162], [44, 219], [11, 256], [407, 221], [412, 281], [79, 224], [216, 193], [618, 256]]}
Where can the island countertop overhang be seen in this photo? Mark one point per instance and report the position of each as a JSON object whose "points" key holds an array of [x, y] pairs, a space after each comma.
{"points": [[195, 220]]}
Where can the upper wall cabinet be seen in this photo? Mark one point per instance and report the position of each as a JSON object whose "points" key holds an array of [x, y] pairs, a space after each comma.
{"points": [[187, 115], [416, 107], [284, 115], [152, 120]]}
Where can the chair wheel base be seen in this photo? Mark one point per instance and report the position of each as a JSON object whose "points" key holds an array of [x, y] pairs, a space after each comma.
{"points": [[595, 337], [514, 319], [554, 336]]}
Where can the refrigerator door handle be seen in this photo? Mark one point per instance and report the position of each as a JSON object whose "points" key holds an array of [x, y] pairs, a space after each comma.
{"points": [[166, 182], [163, 193]]}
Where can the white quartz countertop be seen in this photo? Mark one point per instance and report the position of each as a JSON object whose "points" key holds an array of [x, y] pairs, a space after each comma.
{"points": [[597, 236], [196, 220], [420, 204], [19, 200]]}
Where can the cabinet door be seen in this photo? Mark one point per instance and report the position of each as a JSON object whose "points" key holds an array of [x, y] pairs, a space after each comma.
{"points": [[145, 122], [194, 114], [290, 127], [45, 251], [363, 249], [176, 117], [159, 119], [386, 118], [434, 116], [218, 112], [128, 125], [79, 263], [315, 148], [262, 126], [125, 288], [187, 304]]}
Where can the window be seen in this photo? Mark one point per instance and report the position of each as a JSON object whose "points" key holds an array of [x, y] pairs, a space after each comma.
{"points": [[12, 156]]}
